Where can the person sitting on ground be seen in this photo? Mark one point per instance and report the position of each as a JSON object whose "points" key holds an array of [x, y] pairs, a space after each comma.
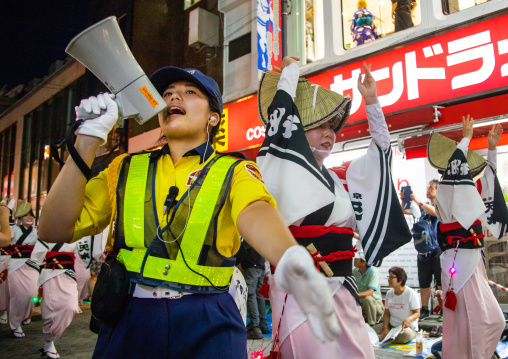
{"points": [[402, 307], [367, 279]]}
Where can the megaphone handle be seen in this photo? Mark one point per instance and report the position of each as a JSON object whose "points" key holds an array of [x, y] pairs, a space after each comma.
{"points": [[82, 114]]}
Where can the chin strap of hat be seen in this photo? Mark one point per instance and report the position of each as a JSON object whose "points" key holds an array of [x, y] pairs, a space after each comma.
{"points": [[69, 140]]}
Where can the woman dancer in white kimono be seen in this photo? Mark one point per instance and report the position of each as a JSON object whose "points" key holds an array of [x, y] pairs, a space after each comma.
{"points": [[323, 207], [472, 319], [23, 270], [5, 241]]}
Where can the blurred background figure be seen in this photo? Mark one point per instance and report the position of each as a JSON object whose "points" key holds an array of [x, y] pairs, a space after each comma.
{"points": [[5, 241], [253, 270], [23, 271], [363, 28], [367, 279], [402, 13]]}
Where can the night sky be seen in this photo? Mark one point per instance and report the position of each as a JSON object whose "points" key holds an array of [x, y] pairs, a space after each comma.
{"points": [[34, 34]]}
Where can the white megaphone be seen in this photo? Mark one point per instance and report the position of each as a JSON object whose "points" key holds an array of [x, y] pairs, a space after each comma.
{"points": [[103, 50]]}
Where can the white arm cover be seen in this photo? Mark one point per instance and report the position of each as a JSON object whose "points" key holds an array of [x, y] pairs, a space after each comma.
{"points": [[289, 80], [377, 126]]}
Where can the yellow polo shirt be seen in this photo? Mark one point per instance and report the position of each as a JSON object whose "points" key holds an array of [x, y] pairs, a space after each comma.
{"points": [[246, 187]]}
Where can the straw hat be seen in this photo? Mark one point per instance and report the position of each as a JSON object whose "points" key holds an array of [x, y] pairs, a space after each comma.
{"points": [[22, 209], [315, 107], [441, 148]]}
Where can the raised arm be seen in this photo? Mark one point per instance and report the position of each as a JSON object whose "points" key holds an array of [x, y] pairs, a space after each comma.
{"points": [[467, 133], [289, 75], [377, 124], [494, 135], [65, 200]]}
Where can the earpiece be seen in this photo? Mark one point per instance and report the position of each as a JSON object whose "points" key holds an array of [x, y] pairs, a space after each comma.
{"points": [[211, 119]]}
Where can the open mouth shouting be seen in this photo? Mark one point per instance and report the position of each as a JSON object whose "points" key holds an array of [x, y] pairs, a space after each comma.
{"points": [[176, 110]]}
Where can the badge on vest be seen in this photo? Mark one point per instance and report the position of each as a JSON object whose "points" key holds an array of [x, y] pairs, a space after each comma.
{"points": [[193, 176]]}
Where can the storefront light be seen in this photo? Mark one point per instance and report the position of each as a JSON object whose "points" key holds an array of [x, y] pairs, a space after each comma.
{"points": [[492, 122]]}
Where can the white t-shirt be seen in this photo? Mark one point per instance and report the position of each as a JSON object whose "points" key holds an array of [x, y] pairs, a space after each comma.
{"points": [[402, 306]]}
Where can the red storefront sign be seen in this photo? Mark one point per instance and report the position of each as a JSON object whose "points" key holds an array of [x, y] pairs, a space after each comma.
{"points": [[463, 62]]}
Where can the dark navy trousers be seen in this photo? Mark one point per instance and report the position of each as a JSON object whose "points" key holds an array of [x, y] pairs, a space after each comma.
{"points": [[194, 326]]}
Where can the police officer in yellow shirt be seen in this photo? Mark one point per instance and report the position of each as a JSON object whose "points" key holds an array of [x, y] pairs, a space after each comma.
{"points": [[179, 213]]}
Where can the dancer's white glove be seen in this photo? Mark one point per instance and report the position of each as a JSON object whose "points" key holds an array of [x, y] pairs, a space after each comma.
{"points": [[296, 274], [101, 114]]}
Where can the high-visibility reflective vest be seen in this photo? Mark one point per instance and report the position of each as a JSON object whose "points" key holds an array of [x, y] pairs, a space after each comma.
{"points": [[159, 253]]}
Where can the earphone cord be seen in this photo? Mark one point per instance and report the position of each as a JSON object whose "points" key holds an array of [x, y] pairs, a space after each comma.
{"points": [[225, 289], [188, 211]]}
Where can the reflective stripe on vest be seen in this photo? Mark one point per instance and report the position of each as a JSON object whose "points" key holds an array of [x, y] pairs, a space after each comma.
{"points": [[195, 233]]}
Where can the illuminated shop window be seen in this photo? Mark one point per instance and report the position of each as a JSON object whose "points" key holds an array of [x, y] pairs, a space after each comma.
{"points": [[452, 6], [306, 30], [365, 21], [190, 3]]}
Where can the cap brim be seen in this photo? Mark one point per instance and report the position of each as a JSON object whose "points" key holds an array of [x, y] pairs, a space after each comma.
{"points": [[165, 76]]}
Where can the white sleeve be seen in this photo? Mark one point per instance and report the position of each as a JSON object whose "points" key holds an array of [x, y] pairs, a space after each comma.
{"points": [[377, 126], [492, 158], [39, 252], [289, 79], [414, 301], [415, 210], [15, 233], [463, 145]]}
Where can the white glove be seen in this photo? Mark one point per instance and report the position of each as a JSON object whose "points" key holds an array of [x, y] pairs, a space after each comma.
{"points": [[101, 114], [296, 274]]}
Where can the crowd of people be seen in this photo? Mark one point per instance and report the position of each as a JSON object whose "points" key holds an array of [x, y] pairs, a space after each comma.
{"points": [[178, 217], [55, 275]]}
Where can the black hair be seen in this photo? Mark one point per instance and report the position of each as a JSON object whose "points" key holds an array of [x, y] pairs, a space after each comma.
{"points": [[400, 273]]}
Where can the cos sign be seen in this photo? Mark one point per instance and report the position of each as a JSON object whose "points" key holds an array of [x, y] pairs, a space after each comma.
{"points": [[255, 132]]}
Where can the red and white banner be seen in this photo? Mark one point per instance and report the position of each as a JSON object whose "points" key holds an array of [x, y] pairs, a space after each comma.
{"points": [[467, 61]]}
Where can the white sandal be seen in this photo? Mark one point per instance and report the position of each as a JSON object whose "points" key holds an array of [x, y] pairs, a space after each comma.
{"points": [[18, 332], [3, 318], [49, 350]]}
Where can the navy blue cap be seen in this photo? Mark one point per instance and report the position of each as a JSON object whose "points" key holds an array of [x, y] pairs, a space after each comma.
{"points": [[165, 76]]}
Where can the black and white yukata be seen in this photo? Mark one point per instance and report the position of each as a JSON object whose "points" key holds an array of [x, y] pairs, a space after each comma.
{"points": [[323, 207], [472, 319]]}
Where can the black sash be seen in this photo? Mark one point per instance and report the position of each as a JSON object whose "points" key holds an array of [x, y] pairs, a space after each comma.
{"points": [[57, 247], [25, 232]]}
